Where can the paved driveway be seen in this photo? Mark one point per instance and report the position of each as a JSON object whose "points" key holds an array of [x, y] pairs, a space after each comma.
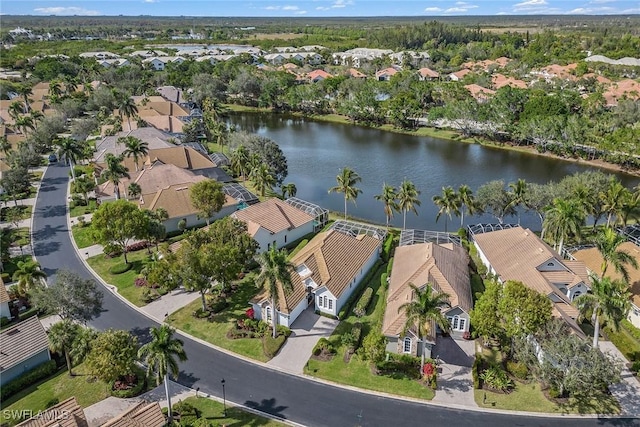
{"points": [[455, 382], [306, 331]]}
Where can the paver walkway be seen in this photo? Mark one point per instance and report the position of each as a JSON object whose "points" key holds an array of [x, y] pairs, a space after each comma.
{"points": [[101, 412], [305, 333], [455, 382], [628, 391], [169, 303]]}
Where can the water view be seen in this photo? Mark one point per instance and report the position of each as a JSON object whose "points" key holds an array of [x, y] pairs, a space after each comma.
{"points": [[316, 151]]}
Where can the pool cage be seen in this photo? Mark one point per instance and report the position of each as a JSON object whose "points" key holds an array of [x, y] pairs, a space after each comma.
{"points": [[413, 237], [240, 193], [219, 159], [486, 228], [320, 215], [631, 233], [355, 229]]}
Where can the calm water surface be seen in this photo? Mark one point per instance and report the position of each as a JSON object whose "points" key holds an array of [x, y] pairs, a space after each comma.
{"points": [[317, 151]]}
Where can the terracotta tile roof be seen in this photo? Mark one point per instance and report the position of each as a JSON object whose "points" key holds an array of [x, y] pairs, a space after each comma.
{"points": [[479, 92], [141, 415], [161, 107], [175, 199], [22, 341], [460, 74], [170, 124], [518, 254], [274, 215], [4, 296], [318, 74], [500, 80], [334, 259], [428, 73], [624, 88], [183, 157], [387, 72], [445, 267], [593, 260], [355, 73], [152, 136], [65, 414]]}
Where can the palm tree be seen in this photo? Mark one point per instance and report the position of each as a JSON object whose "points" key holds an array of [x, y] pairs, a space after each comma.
{"points": [[289, 190], [28, 274], [465, 195], [115, 171], [24, 124], [127, 108], [70, 84], [24, 91], [408, 200], [347, 180], [613, 200], [161, 355], [389, 198], [275, 270], [55, 90], [565, 218], [240, 160], [5, 145], [84, 185], [16, 109], [161, 214], [70, 150], [61, 337], [608, 302], [262, 178], [518, 194], [135, 148], [448, 203], [424, 310], [608, 243], [631, 206], [134, 190]]}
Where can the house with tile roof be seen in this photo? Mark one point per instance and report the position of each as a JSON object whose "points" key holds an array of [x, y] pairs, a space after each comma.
{"points": [[67, 413], [275, 223], [459, 75], [592, 258], [427, 74], [352, 72], [479, 93], [109, 144], [24, 346], [518, 254], [4, 301], [386, 74], [176, 200], [444, 268], [318, 75], [326, 272], [141, 415]]}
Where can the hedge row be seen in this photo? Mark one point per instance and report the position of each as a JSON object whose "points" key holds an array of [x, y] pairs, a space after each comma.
{"points": [[475, 372], [348, 306], [356, 331], [28, 378], [363, 302]]}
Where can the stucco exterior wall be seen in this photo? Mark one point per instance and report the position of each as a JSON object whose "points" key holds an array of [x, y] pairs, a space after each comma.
{"points": [[26, 365]]}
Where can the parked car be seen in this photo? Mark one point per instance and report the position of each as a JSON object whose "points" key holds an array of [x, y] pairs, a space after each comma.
{"points": [[53, 158]]}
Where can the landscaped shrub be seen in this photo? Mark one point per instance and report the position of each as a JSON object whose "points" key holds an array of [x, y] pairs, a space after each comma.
{"points": [[356, 331], [517, 369], [120, 268], [635, 367], [363, 302], [4, 320], [383, 280], [138, 246], [389, 266], [387, 247], [218, 304], [187, 413], [475, 372], [200, 313], [129, 385], [633, 331], [112, 250], [271, 346], [323, 346], [28, 378], [348, 306], [6, 278], [283, 330], [496, 378]]}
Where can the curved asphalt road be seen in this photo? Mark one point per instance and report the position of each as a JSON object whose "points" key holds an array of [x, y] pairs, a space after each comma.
{"points": [[294, 398]]}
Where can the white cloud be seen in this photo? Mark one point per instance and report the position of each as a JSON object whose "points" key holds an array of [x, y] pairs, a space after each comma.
{"points": [[301, 12], [151, 1], [290, 8], [601, 1], [337, 4], [272, 8], [461, 7], [72, 10], [532, 7], [530, 4], [433, 9], [591, 10]]}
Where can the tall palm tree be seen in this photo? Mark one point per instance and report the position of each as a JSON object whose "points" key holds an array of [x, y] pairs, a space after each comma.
{"points": [[518, 194], [347, 180], [631, 206], [55, 90], [16, 109], [5, 145], [127, 108], [134, 190], [449, 203], [262, 178], [389, 197], [114, 172], [24, 91], [70, 84], [565, 218], [83, 185], [467, 202], [408, 200], [161, 355], [61, 337], [28, 275], [275, 271], [613, 199], [424, 310], [289, 190], [239, 161], [135, 148], [70, 150], [608, 243], [24, 124], [608, 302]]}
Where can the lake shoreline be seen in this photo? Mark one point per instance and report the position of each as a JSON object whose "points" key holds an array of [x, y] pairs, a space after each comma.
{"points": [[444, 134]]}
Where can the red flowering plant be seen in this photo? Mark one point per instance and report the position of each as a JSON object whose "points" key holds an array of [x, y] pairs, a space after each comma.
{"points": [[250, 313], [428, 370], [140, 282]]}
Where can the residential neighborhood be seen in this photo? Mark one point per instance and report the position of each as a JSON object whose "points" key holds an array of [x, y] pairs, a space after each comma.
{"points": [[210, 233]]}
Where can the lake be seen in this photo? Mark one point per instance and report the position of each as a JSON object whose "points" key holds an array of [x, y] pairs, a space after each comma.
{"points": [[317, 151]]}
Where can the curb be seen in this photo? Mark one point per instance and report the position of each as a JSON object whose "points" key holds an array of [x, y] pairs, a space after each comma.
{"points": [[33, 212]]}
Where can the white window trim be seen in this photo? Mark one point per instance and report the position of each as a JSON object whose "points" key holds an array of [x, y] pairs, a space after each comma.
{"points": [[405, 341]]}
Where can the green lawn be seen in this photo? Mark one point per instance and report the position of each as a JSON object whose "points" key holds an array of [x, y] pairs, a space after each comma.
{"points": [[18, 236], [82, 236], [216, 332], [83, 210], [125, 281], [56, 389], [213, 411], [358, 372], [24, 210], [11, 265], [529, 397], [625, 342]]}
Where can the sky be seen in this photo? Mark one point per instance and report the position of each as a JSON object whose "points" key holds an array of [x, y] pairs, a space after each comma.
{"points": [[317, 8]]}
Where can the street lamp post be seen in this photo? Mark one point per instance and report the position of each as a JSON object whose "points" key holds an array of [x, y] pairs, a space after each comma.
{"points": [[224, 399]]}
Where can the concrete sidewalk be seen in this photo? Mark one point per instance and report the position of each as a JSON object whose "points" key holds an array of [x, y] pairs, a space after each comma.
{"points": [[306, 331], [628, 390]]}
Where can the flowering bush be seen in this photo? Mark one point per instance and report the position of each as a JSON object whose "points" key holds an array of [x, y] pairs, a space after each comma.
{"points": [[466, 335], [138, 246], [250, 313], [140, 282], [428, 370]]}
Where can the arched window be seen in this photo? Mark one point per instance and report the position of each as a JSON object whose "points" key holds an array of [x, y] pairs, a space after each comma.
{"points": [[406, 345], [268, 314]]}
